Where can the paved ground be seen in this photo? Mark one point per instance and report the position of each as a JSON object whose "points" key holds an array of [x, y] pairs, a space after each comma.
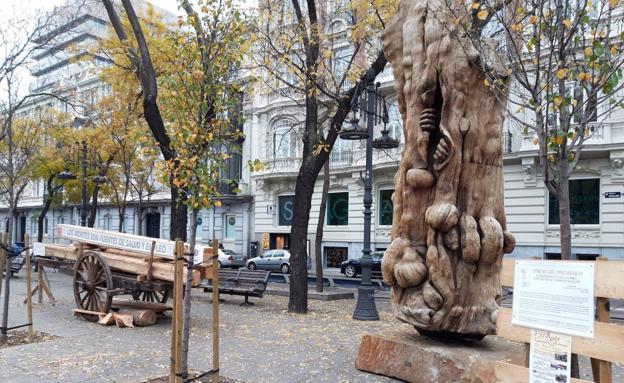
{"points": [[263, 343]]}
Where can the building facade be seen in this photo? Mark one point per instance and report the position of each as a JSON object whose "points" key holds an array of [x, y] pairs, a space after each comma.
{"points": [[57, 71]]}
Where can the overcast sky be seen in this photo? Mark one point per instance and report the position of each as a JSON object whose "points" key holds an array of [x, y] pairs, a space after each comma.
{"points": [[9, 7]]}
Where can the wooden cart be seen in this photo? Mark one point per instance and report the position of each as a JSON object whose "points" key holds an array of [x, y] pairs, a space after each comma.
{"points": [[108, 264]]}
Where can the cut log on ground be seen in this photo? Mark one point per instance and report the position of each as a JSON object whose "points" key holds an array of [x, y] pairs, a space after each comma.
{"points": [[156, 307]]}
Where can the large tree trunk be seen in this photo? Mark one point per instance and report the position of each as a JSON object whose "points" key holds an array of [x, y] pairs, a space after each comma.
{"points": [[298, 298], [46, 208], [122, 214], [564, 210], [319, 229]]}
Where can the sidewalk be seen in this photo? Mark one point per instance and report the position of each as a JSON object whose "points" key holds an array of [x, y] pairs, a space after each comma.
{"points": [[261, 343]]}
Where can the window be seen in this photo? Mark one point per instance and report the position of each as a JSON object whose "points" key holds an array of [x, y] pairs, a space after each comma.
{"points": [[285, 209], [230, 226], [338, 209], [283, 141], [334, 256], [584, 203], [385, 207], [341, 62]]}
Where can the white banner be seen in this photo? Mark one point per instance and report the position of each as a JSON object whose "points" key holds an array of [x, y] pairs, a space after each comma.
{"points": [[554, 296]]}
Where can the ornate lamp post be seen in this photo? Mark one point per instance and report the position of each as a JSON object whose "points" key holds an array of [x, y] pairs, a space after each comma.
{"points": [[365, 308]]}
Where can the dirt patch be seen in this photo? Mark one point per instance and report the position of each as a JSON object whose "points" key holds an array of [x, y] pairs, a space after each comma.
{"points": [[16, 338]]}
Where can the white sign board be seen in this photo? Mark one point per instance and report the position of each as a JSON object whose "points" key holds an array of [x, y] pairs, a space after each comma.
{"points": [[38, 249], [549, 358], [554, 296]]}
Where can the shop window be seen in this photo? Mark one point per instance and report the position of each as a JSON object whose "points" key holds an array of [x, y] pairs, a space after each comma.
{"points": [[584, 203], [385, 207], [338, 209], [334, 256], [285, 206]]}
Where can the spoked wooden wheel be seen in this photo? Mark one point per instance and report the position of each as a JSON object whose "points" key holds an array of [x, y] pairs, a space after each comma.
{"points": [[151, 296], [92, 280]]}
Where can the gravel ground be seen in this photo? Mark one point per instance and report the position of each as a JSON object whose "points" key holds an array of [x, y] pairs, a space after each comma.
{"points": [[261, 343]]}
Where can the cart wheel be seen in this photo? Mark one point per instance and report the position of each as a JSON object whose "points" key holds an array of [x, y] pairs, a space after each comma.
{"points": [[151, 296], [92, 280]]}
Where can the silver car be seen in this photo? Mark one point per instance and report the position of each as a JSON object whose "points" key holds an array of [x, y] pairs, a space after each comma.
{"points": [[271, 260]]}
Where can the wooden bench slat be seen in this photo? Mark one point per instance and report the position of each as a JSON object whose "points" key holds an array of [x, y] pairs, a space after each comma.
{"points": [[510, 373], [608, 280], [607, 344]]}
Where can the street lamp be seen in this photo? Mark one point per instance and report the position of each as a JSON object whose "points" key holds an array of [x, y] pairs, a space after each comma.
{"points": [[365, 308]]}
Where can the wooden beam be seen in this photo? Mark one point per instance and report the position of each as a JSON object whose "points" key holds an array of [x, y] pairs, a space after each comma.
{"points": [[601, 370], [607, 344], [31, 331], [608, 280], [157, 307]]}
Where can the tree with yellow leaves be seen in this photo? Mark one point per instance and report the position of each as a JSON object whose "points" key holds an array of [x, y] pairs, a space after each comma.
{"points": [[190, 99], [304, 54], [560, 62]]}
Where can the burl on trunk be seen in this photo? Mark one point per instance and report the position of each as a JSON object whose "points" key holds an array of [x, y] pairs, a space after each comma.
{"points": [[449, 230]]}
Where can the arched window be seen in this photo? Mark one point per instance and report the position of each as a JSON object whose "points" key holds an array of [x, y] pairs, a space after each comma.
{"points": [[284, 143]]}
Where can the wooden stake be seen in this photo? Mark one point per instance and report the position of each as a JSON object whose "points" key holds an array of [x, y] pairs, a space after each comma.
{"points": [[176, 301], [215, 311], [31, 332], [601, 369], [150, 262], [3, 258], [179, 298], [40, 284]]}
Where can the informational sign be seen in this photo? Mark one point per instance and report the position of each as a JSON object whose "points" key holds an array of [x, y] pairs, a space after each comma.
{"points": [[549, 358], [38, 249], [554, 296], [613, 194]]}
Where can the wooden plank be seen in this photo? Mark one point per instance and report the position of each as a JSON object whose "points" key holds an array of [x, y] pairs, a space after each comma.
{"points": [[128, 242], [81, 311], [109, 239], [601, 370], [607, 344], [608, 281], [510, 373], [31, 332]]}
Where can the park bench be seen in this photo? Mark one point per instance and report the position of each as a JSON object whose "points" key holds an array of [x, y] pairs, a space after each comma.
{"points": [[248, 283]]}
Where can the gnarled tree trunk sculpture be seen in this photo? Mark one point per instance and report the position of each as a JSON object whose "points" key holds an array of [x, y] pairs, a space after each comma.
{"points": [[449, 230]]}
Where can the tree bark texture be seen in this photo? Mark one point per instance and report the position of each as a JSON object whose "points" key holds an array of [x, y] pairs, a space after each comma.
{"points": [[449, 228], [564, 210], [186, 318], [319, 229], [46, 206]]}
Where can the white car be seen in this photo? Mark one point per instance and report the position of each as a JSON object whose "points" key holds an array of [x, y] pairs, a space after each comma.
{"points": [[229, 258]]}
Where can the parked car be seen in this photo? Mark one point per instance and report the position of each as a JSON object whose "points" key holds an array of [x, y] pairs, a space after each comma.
{"points": [[353, 267], [271, 260], [229, 258]]}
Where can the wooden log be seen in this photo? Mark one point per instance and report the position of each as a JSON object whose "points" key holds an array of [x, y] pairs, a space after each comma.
{"points": [[179, 299], [161, 270], [124, 320], [141, 318], [107, 319], [156, 307], [88, 312]]}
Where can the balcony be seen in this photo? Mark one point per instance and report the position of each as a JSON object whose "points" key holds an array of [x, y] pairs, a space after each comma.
{"points": [[598, 134]]}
